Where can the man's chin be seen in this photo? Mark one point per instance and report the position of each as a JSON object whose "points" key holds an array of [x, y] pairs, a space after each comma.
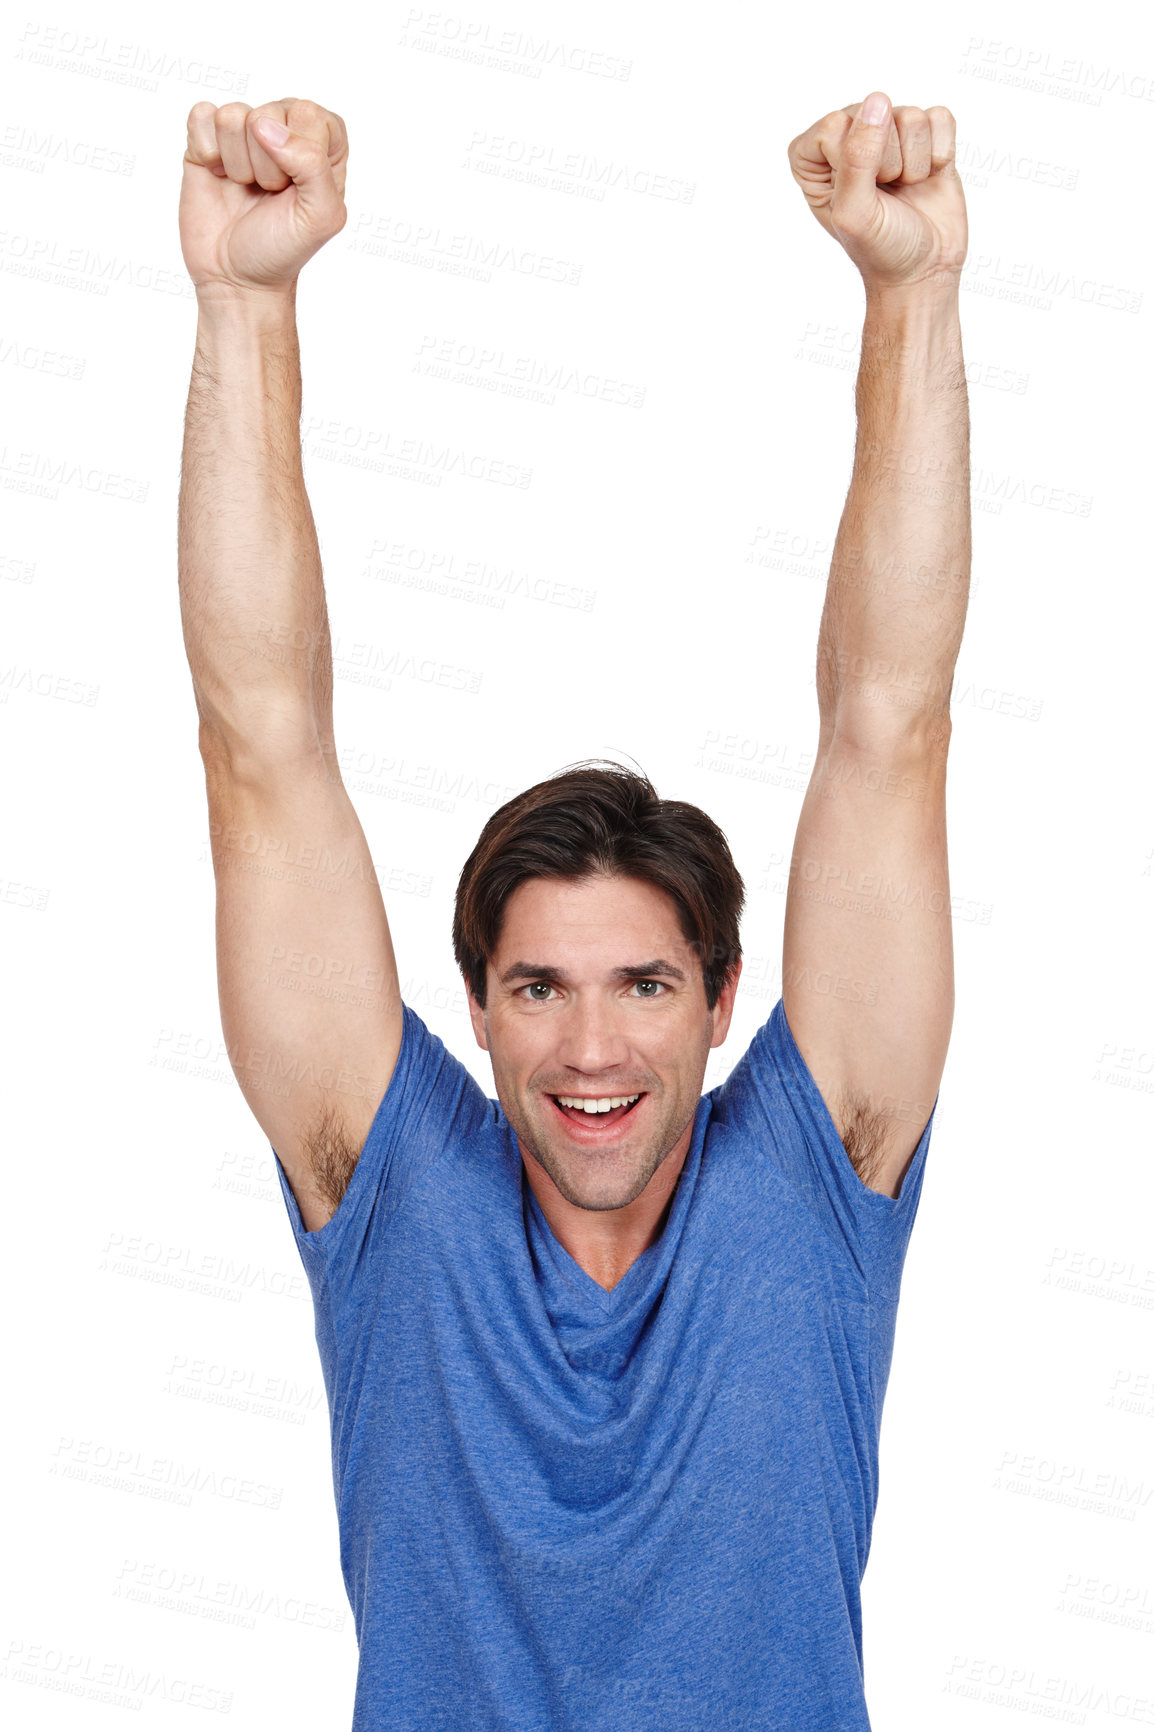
{"points": [[595, 1179], [597, 1194]]}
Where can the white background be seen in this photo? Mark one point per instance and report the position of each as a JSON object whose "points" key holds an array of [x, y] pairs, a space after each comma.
{"points": [[159, 1331]]}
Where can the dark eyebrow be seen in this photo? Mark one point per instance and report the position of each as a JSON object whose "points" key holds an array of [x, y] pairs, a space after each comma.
{"points": [[649, 971], [558, 977]]}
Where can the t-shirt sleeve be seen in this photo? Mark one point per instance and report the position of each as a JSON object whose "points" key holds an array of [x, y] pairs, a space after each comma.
{"points": [[431, 1101], [771, 1097]]}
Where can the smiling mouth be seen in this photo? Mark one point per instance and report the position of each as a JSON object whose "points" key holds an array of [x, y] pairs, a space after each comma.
{"points": [[597, 1112]]}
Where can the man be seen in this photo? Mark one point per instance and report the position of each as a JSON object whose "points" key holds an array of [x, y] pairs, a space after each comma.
{"points": [[605, 1358]]}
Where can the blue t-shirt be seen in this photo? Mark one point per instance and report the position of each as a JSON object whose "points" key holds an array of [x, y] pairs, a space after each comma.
{"points": [[564, 1509]]}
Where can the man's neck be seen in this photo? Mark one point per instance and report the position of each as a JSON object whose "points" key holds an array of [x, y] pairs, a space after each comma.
{"points": [[607, 1242]]}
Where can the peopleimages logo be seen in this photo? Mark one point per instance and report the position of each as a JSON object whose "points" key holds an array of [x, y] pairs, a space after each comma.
{"points": [[1070, 77], [543, 163], [113, 1683], [25, 147], [475, 40], [444, 571], [129, 63], [986, 273]]}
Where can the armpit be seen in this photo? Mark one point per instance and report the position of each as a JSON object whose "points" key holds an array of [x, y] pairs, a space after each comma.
{"points": [[332, 1157], [864, 1140]]}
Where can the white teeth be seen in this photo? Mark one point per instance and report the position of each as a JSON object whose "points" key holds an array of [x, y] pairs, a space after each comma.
{"points": [[606, 1104]]}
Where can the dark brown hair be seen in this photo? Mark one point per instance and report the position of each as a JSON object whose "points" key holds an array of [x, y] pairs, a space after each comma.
{"points": [[600, 817]]}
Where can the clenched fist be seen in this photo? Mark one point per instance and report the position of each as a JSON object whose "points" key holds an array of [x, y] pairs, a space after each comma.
{"points": [[883, 182], [263, 190]]}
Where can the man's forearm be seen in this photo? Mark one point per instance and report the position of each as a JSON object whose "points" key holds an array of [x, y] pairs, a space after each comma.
{"points": [[251, 589], [899, 580]]}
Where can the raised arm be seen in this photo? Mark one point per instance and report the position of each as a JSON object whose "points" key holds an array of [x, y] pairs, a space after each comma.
{"points": [[867, 970], [310, 1005]]}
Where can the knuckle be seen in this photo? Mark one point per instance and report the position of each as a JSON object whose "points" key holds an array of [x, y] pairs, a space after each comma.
{"points": [[914, 122], [232, 116], [303, 108]]}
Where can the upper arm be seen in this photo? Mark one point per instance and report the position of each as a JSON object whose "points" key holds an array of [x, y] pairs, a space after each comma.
{"points": [[309, 998], [867, 968]]}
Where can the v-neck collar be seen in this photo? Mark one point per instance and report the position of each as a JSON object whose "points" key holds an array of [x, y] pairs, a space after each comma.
{"points": [[569, 1269]]}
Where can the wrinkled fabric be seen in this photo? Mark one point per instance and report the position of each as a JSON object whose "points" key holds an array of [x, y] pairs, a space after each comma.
{"points": [[563, 1509]]}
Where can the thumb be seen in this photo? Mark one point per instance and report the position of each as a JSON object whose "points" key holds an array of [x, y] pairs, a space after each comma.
{"points": [[855, 182], [306, 162]]}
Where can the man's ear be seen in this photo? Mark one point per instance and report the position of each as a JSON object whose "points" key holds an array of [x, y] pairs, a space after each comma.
{"points": [[477, 1018], [723, 1009]]}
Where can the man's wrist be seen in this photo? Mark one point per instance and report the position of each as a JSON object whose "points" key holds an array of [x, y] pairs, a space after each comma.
{"points": [[937, 303], [914, 332], [226, 306]]}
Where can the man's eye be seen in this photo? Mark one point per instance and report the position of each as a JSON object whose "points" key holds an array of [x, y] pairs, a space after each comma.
{"points": [[539, 990]]}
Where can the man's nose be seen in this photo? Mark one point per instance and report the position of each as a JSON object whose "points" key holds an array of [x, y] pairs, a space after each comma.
{"points": [[592, 1040]]}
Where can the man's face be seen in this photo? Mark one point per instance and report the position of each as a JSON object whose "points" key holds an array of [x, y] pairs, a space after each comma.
{"points": [[594, 993]]}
